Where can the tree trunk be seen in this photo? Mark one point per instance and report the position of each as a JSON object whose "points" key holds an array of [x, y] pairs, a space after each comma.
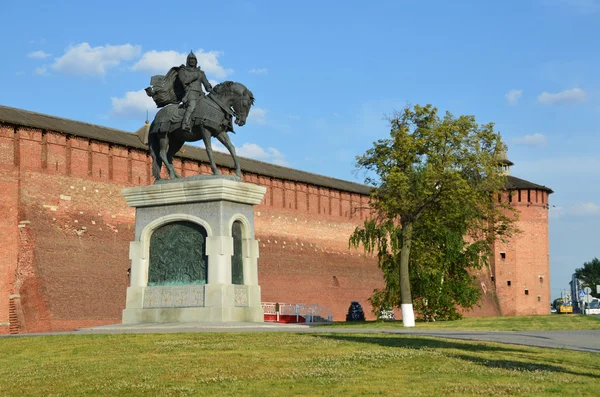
{"points": [[408, 315]]}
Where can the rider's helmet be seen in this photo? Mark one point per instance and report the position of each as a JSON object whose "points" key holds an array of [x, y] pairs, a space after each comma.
{"points": [[190, 57]]}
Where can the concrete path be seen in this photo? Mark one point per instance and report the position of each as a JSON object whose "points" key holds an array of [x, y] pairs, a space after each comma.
{"points": [[588, 341]]}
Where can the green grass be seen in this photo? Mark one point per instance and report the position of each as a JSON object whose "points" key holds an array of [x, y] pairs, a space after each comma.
{"points": [[553, 322], [287, 364]]}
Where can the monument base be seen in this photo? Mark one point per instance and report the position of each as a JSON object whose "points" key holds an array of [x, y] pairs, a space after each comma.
{"points": [[193, 304], [193, 315], [216, 205]]}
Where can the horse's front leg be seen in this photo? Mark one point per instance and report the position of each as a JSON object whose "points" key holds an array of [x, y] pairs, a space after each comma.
{"points": [[164, 148], [154, 150], [223, 137], [209, 152], [174, 146]]}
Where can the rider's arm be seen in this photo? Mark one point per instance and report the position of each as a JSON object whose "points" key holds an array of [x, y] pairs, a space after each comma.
{"points": [[205, 82]]}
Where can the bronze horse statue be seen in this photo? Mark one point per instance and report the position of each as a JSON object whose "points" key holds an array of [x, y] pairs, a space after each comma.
{"points": [[212, 117]]}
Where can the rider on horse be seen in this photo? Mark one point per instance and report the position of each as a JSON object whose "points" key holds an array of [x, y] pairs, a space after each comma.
{"points": [[192, 79]]}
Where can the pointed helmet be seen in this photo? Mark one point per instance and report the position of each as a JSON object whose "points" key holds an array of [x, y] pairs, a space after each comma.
{"points": [[190, 57]]}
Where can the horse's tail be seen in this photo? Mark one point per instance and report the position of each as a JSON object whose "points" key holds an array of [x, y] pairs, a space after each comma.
{"points": [[154, 149]]}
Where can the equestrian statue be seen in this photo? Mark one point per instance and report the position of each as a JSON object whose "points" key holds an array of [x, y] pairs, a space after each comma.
{"points": [[188, 115]]}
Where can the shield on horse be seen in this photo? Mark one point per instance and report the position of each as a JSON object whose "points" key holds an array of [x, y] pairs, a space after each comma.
{"points": [[206, 114]]}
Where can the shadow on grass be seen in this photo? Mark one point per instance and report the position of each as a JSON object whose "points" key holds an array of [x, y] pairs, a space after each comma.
{"points": [[417, 342], [475, 347]]}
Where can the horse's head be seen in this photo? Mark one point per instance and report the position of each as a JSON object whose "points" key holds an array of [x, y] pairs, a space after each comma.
{"points": [[238, 97], [242, 105]]}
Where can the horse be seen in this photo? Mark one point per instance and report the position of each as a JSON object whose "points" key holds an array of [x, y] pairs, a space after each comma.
{"points": [[211, 118]]}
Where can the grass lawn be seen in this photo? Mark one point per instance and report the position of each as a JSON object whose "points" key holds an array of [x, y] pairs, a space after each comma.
{"points": [[286, 364], [552, 322]]}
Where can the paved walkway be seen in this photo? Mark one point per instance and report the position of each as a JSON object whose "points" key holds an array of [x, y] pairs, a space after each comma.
{"points": [[588, 341]]}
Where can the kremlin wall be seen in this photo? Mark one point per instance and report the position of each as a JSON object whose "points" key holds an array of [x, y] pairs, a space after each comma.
{"points": [[65, 230]]}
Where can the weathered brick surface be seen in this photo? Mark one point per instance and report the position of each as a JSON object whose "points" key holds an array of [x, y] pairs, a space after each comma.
{"points": [[56, 153], [30, 283], [305, 258], [69, 258], [526, 262], [9, 238], [297, 270]]}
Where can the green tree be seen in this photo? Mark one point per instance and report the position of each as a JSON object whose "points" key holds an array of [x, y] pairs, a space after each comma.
{"points": [[589, 274], [432, 207]]}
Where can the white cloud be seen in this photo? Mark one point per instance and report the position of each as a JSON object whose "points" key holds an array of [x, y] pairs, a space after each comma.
{"points": [[258, 115], [86, 60], [161, 61], [574, 95], [578, 209], [259, 71], [41, 71], [133, 105], [294, 117], [536, 139], [271, 155], [38, 55], [585, 209], [512, 96], [218, 146]]}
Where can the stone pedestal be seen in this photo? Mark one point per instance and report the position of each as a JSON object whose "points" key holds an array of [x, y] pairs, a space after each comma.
{"points": [[215, 203]]}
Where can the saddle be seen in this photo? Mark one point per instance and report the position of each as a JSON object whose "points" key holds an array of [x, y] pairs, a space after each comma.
{"points": [[207, 113]]}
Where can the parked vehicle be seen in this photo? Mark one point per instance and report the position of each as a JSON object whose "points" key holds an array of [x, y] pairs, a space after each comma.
{"points": [[564, 307], [593, 307]]}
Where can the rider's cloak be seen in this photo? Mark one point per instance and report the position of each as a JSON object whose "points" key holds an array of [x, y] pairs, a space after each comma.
{"points": [[166, 89]]}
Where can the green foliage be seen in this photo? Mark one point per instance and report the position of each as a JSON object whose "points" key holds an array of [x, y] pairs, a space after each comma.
{"points": [[433, 213], [590, 275], [440, 277]]}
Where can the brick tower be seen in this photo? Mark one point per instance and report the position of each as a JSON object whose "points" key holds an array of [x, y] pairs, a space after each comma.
{"points": [[520, 267]]}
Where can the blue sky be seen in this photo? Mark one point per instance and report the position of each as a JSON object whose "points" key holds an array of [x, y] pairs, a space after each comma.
{"points": [[326, 74]]}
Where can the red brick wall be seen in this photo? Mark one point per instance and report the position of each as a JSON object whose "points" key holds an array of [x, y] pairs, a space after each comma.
{"points": [[69, 258], [304, 258], [9, 220], [56, 153]]}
